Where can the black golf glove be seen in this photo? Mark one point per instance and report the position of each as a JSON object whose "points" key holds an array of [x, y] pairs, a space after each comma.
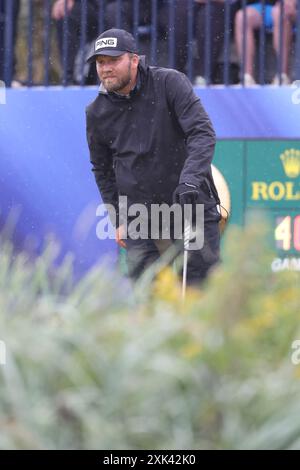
{"points": [[185, 193]]}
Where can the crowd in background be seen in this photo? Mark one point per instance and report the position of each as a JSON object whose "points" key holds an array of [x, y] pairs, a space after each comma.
{"points": [[279, 18]]}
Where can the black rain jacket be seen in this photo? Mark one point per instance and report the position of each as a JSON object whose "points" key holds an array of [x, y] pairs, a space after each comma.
{"points": [[144, 145]]}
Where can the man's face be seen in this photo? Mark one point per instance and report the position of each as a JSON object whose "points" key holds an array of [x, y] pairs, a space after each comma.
{"points": [[117, 73]]}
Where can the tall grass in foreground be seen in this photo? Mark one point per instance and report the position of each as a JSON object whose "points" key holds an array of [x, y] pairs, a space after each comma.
{"points": [[91, 366]]}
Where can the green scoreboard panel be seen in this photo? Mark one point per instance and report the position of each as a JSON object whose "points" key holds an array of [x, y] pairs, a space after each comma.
{"points": [[265, 175]]}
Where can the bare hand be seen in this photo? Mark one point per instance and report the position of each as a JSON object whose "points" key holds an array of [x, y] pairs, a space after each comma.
{"points": [[58, 9], [120, 235]]}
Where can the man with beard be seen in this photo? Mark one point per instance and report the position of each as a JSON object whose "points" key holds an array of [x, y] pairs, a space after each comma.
{"points": [[151, 140]]}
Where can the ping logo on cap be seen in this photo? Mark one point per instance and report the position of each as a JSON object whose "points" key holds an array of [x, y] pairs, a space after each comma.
{"points": [[105, 42]]}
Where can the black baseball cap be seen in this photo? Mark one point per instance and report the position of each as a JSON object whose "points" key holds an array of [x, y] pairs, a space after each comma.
{"points": [[113, 42]]}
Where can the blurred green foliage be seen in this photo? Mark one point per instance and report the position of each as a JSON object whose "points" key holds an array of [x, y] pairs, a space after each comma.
{"points": [[91, 365]]}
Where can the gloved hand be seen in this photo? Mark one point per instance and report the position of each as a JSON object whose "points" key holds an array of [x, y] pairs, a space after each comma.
{"points": [[185, 193]]}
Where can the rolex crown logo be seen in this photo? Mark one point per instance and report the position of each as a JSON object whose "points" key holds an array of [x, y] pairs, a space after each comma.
{"points": [[291, 162]]}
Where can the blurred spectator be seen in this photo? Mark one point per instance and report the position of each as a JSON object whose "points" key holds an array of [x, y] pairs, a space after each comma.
{"points": [[15, 7], [217, 25], [272, 23], [289, 19], [74, 16], [216, 36], [181, 31], [145, 17], [126, 14], [180, 25]]}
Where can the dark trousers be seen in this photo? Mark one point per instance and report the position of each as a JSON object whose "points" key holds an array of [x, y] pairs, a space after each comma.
{"points": [[199, 19], [141, 254]]}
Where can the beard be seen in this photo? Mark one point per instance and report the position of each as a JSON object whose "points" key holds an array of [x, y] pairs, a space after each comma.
{"points": [[116, 84]]}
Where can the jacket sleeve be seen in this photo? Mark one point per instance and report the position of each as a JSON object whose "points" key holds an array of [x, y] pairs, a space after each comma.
{"points": [[196, 126], [102, 166]]}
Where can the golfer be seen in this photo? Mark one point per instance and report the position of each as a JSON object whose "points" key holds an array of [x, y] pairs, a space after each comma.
{"points": [[151, 140]]}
